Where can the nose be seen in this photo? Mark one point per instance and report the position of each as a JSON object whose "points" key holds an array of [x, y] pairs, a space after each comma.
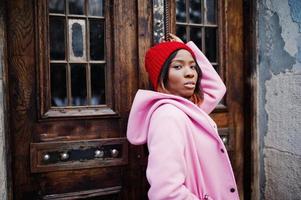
{"points": [[189, 73]]}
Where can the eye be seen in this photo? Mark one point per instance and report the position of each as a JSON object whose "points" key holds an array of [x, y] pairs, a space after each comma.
{"points": [[177, 66], [193, 67]]}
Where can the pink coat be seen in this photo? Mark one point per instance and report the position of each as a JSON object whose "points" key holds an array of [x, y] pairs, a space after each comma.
{"points": [[187, 159]]}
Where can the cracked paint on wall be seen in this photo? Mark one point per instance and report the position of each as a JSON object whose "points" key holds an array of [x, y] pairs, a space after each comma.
{"points": [[290, 30], [279, 101], [295, 11], [295, 6], [276, 57]]}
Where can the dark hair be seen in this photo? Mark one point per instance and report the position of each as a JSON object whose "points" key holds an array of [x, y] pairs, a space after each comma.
{"points": [[197, 97]]}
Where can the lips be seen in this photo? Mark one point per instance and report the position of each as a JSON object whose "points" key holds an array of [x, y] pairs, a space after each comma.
{"points": [[189, 85]]}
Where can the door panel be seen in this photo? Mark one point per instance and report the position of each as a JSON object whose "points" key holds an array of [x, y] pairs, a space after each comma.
{"points": [[70, 152]]}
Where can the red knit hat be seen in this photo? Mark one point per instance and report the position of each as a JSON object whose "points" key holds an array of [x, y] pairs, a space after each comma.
{"points": [[157, 55]]}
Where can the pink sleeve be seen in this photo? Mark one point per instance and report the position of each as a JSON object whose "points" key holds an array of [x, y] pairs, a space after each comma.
{"points": [[211, 83], [166, 169]]}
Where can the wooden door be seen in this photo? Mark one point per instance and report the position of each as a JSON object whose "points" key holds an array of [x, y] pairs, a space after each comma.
{"points": [[217, 29], [74, 68]]}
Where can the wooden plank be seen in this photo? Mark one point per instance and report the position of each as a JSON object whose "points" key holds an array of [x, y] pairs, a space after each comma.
{"points": [[85, 194], [221, 119], [73, 181], [125, 52], [145, 33], [21, 73], [235, 87]]}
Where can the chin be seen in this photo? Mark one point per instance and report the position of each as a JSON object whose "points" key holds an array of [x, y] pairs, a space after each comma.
{"points": [[187, 95]]}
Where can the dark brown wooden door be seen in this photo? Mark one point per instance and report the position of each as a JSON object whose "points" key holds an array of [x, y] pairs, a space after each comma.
{"points": [[74, 68], [217, 29], [73, 72]]}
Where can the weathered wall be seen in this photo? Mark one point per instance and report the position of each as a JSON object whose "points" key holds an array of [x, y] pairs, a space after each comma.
{"points": [[2, 135], [279, 100]]}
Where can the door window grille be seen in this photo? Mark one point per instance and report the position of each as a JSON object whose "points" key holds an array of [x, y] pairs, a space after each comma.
{"points": [[197, 20], [77, 52]]}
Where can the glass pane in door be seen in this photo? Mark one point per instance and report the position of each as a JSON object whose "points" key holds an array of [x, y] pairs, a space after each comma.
{"points": [[58, 85], [97, 39], [181, 33], [98, 79], [78, 85], [181, 11], [211, 44], [211, 11], [96, 7], [196, 35], [57, 38], [76, 7], [56, 6], [195, 11]]}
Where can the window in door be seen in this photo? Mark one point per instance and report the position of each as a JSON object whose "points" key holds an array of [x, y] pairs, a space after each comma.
{"points": [[76, 81], [197, 21]]}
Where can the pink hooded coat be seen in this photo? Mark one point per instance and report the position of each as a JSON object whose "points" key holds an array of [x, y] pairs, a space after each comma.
{"points": [[187, 159]]}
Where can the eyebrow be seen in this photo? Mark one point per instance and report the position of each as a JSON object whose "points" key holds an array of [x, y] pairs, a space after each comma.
{"points": [[179, 60]]}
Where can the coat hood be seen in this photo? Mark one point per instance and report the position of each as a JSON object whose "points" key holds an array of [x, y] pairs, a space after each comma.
{"points": [[146, 102]]}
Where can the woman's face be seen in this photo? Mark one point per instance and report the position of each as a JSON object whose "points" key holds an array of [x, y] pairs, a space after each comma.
{"points": [[182, 75]]}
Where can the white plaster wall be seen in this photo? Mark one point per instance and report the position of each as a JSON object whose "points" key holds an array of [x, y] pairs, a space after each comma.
{"points": [[279, 104], [282, 142]]}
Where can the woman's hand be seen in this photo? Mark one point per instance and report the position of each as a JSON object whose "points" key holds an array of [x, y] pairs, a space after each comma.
{"points": [[171, 38], [174, 38]]}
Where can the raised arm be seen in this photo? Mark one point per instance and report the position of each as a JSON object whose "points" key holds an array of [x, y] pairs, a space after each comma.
{"points": [[166, 169], [211, 83]]}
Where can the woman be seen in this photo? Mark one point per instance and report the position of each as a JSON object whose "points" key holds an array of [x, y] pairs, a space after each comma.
{"points": [[187, 159]]}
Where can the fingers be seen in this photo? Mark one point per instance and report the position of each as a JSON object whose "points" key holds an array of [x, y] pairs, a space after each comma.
{"points": [[172, 35], [162, 39], [174, 38], [170, 38]]}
